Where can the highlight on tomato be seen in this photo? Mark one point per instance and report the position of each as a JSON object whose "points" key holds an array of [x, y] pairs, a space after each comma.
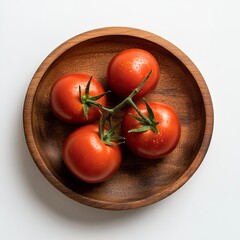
{"points": [[128, 68], [153, 131], [72, 97]]}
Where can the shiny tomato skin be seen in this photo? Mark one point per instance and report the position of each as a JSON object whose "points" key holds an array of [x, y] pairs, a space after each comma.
{"points": [[127, 70], [65, 98], [88, 158], [151, 145]]}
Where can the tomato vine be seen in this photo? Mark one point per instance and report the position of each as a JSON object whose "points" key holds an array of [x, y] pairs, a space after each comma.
{"points": [[109, 137]]}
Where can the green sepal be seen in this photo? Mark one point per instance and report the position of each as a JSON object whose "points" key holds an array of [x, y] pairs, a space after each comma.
{"points": [[138, 118], [109, 137], [88, 87], [94, 98], [150, 111], [149, 122], [141, 129], [85, 110], [88, 100]]}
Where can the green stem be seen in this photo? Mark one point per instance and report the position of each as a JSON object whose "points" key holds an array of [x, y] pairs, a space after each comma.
{"points": [[129, 98], [126, 101], [109, 137], [93, 103]]}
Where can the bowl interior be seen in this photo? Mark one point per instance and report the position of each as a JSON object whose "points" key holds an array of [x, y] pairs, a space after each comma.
{"points": [[137, 179]]}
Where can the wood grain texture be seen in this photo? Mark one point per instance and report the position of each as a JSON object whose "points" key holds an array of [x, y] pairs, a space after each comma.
{"points": [[139, 182]]}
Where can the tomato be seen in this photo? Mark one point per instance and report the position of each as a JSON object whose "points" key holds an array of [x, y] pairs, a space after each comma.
{"points": [[88, 157], [149, 144], [65, 98], [127, 70]]}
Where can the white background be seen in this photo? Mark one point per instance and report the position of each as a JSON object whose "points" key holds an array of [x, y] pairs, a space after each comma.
{"points": [[207, 206]]}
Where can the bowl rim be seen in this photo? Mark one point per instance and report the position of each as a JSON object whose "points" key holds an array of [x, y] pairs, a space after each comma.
{"points": [[104, 32]]}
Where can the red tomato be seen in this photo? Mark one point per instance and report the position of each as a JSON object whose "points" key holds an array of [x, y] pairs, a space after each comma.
{"points": [[149, 144], [65, 98], [88, 157], [127, 70]]}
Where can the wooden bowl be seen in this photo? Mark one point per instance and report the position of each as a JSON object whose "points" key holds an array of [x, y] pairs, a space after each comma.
{"points": [[138, 182]]}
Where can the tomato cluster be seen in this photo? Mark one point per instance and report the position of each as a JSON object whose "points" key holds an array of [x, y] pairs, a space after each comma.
{"points": [[150, 130]]}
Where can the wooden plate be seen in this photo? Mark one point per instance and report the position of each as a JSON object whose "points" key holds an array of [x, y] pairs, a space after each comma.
{"points": [[138, 182]]}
